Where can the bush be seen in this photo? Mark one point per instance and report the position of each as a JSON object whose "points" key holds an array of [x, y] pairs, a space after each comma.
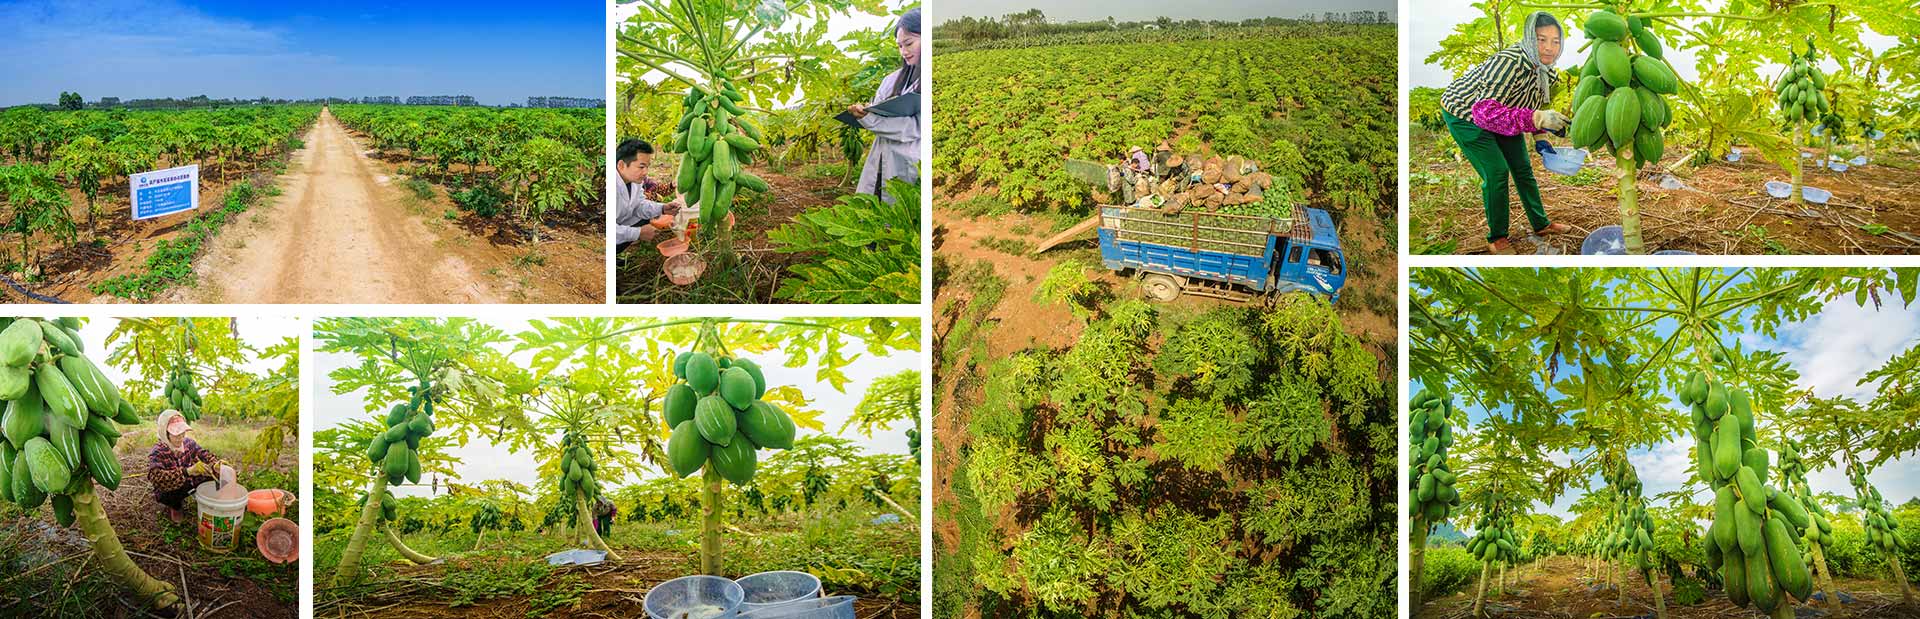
{"points": [[1449, 570], [421, 189], [481, 200]]}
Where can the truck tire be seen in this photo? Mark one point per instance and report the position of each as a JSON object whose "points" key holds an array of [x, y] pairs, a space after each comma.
{"points": [[1159, 287]]}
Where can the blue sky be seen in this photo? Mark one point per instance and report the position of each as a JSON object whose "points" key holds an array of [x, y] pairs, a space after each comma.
{"points": [[498, 52], [1831, 351]]}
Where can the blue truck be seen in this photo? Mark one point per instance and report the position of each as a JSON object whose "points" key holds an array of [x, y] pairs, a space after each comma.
{"points": [[1234, 257]]}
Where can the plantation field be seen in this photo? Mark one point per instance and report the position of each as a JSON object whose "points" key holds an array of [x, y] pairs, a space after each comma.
{"points": [[1723, 209], [346, 214]]}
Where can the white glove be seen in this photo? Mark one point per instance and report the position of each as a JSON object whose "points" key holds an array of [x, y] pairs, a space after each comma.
{"points": [[1549, 120]]}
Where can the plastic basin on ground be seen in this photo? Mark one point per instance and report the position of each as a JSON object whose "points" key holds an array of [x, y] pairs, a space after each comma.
{"points": [[1674, 252], [278, 540], [577, 556], [694, 597], [1858, 161], [1837, 166], [1564, 161], [1733, 155], [770, 588], [265, 502], [836, 607], [1605, 241], [1806, 155], [1815, 195]]}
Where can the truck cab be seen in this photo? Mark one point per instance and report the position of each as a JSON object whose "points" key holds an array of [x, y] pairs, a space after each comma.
{"points": [[1310, 259]]}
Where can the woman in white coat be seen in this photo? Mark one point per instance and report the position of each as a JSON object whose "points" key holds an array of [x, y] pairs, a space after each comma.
{"points": [[896, 139]]}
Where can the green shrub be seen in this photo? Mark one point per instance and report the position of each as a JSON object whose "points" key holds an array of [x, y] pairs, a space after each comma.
{"points": [[481, 200], [1449, 569]]}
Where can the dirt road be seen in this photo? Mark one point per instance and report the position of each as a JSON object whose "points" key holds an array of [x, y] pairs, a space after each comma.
{"points": [[342, 232]]}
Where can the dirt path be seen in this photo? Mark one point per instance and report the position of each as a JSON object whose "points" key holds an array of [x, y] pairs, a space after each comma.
{"points": [[342, 233], [1559, 587]]}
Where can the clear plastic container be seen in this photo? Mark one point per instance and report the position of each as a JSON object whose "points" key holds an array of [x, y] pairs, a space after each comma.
{"points": [[836, 607], [1564, 161], [770, 588], [1604, 241], [694, 597]]}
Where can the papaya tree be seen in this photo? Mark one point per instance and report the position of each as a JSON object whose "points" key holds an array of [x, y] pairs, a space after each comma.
{"points": [[409, 368], [86, 162], [60, 426], [1430, 434], [34, 203], [714, 420]]}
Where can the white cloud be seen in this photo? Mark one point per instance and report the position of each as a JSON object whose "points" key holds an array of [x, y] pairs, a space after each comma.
{"points": [[1833, 349]]}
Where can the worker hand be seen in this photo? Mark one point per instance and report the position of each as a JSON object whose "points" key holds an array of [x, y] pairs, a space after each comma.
{"points": [[1542, 147], [857, 110], [199, 469], [1550, 120], [647, 233], [663, 222], [679, 202]]}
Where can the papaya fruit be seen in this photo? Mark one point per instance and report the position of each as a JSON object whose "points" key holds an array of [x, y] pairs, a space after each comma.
{"points": [[99, 394], [46, 468], [1623, 116], [26, 494], [19, 342], [1717, 404], [1724, 506], [25, 418], [1605, 26], [58, 337], [1614, 66], [734, 462], [1655, 75], [1751, 492], [737, 388], [66, 441], [678, 404], [1726, 447], [63, 402], [377, 449], [63, 510], [715, 420], [1589, 122], [98, 453], [1649, 44], [680, 363], [1760, 584], [1784, 559], [687, 450], [703, 375]]}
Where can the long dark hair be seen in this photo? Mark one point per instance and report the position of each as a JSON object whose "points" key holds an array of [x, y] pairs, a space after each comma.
{"points": [[909, 72]]}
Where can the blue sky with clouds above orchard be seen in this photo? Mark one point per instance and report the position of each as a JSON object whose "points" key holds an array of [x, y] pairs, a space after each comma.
{"points": [[1831, 351], [498, 52]]}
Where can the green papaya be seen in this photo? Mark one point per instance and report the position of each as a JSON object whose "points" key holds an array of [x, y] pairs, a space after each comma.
{"points": [[1725, 504], [46, 468], [715, 420], [1589, 121], [1784, 559], [1726, 447], [26, 493], [63, 510], [1655, 75], [1751, 491], [99, 394], [66, 441], [1623, 116], [61, 398], [735, 462], [101, 462], [678, 404], [702, 374], [59, 338], [1760, 584], [25, 418], [124, 414], [1614, 66], [1716, 400], [1605, 26], [19, 342], [377, 449], [736, 386], [687, 451], [397, 414]]}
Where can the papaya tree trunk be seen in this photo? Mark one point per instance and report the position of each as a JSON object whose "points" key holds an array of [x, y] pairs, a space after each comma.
{"points": [[1630, 205], [1417, 565], [393, 539], [1799, 165], [710, 524], [112, 557], [1480, 597], [1660, 597], [1503, 580], [1900, 574], [586, 524], [349, 568], [1621, 583], [1826, 579]]}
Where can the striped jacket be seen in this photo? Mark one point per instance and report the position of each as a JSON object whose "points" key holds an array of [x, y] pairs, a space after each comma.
{"points": [[1508, 78]]}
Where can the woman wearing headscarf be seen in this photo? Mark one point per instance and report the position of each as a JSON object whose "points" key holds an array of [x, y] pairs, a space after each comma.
{"points": [[177, 464], [896, 139], [1493, 108]]}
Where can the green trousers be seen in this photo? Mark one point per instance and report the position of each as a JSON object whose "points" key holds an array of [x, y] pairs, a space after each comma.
{"points": [[1497, 157]]}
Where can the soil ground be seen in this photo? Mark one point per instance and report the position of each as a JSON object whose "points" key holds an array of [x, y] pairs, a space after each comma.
{"points": [[239, 585], [345, 231], [640, 278], [1722, 210], [1560, 588]]}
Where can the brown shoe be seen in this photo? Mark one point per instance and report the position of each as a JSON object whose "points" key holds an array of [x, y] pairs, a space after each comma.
{"points": [[1500, 245], [1554, 229]]}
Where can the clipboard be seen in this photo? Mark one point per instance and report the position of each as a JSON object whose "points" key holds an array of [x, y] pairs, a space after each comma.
{"points": [[907, 104]]}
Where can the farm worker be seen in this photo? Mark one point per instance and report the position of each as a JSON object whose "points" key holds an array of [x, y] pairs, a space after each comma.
{"points": [[1488, 109], [896, 139], [1137, 161], [603, 513], [177, 464], [633, 212]]}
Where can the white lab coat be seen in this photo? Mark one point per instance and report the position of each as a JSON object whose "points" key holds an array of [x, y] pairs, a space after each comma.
{"points": [[896, 144], [631, 210]]}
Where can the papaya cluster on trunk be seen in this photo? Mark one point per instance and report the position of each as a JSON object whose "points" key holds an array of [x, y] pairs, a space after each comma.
{"points": [[578, 471], [1883, 529], [182, 394], [1494, 541], [58, 431], [1620, 101], [396, 452], [1802, 89], [1434, 495], [717, 143], [1631, 535], [1793, 471], [718, 418], [1755, 527]]}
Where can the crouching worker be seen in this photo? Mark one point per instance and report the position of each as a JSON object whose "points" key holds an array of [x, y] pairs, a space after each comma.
{"points": [[635, 217], [177, 465]]}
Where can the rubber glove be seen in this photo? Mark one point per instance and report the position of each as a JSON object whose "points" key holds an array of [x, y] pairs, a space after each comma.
{"points": [[199, 469], [1542, 147], [1549, 120]]}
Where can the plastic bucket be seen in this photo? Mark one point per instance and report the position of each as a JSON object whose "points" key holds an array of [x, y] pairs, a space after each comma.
{"points": [[770, 588], [836, 607], [219, 529], [693, 597], [1564, 161]]}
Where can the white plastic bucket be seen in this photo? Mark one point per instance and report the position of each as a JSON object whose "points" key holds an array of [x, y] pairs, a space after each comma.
{"points": [[219, 529]]}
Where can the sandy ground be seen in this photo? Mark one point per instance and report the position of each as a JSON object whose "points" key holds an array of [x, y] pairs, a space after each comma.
{"points": [[1560, 587], [341, 233]]}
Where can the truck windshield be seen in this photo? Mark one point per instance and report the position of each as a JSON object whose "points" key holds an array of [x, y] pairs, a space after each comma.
{"points": [[1325, 259]]}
